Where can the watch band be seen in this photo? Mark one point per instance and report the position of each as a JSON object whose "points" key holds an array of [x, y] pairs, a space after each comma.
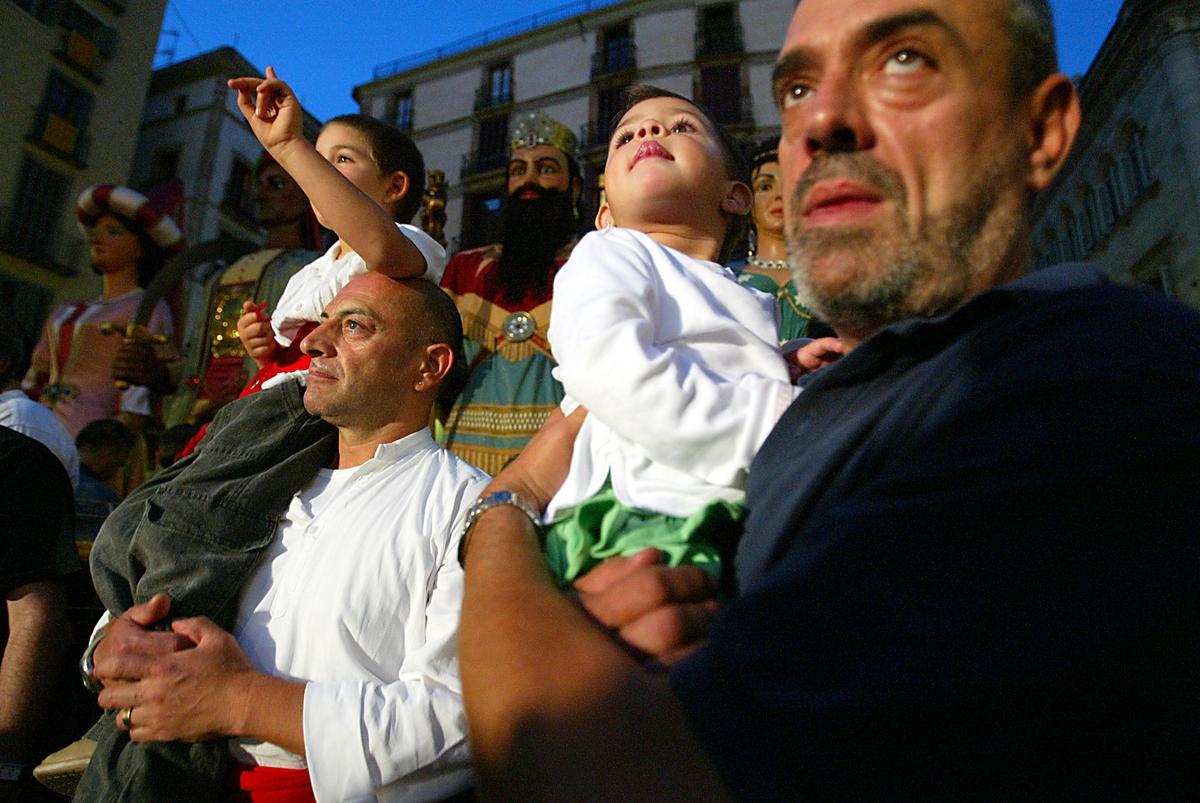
{"points": [[87, 666], [489, 501]]}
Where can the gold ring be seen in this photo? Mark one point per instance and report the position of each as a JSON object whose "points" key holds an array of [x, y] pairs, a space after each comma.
{"points": [[127, 718]]}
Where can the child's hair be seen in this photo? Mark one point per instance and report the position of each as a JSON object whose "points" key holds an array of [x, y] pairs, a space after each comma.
{"points": [[734, 161], [392, 150]]}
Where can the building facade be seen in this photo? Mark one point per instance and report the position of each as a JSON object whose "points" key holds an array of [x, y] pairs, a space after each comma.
{"points": [[572, 63], [193, 133], [75, 78], [1129, 197]]}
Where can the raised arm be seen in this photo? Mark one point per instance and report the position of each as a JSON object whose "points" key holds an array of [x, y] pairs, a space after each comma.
{"points": [[276, 118]]}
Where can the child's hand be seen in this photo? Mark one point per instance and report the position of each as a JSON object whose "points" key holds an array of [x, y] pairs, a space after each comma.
{"points": [[254, 328], [275, 116], [812, 355]]}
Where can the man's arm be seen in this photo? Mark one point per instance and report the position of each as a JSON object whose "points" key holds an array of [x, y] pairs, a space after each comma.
{"points": [[38, 633], [556, 708]]}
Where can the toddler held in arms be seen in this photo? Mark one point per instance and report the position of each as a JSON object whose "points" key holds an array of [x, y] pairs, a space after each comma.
{"points": [[672, 371]]}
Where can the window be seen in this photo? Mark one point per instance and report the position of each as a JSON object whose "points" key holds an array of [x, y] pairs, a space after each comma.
{"points": [[718, 33], [1136, 169], [1072, 251], [41, 10], [493, 143], [721, 92], [166, 166], [239, 190], [402, 117], [616, 51], [36, 210], [481, 223], [608, 103], [500, 84], [86, 27], [63, 117]]}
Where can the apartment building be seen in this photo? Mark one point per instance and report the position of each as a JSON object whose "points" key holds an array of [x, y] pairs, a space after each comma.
{"points": [[572, 63], [1129, 198], [193, 134], [75, 78]]}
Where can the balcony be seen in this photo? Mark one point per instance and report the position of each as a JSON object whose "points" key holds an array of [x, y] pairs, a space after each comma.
{"points": [[486, 98], [616, 56], [715, 41], [474, 164]]}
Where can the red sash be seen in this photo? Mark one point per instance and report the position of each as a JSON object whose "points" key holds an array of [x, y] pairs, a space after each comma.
{"points": [[253, 784]]}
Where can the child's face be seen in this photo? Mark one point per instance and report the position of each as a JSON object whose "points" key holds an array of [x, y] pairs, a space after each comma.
{"points": [[665, 165], [348, 150]]}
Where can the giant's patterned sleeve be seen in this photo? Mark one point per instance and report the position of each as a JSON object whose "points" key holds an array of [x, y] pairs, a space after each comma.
{"points": [[661, 396]]}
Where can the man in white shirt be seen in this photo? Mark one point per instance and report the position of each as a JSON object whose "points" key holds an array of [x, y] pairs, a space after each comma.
{"points": [[341, 665]]}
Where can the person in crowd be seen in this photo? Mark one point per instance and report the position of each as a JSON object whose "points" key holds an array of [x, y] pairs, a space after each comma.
{"points": [[36, 554], [308, 548], [72, 370], [970, 563], [503, 292], [364, 179], [676, 364], [21, 414], [766, 267], [213, 364], [104, 447], [173, 441]]}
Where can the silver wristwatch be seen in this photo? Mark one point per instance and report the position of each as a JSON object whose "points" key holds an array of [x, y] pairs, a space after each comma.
{"points": [[87, 666], [489, 501]]}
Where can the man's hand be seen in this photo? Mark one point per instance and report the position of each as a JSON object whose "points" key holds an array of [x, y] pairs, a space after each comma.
{"points": [[193, 695], [271, 108], [661, 611], [129, 642], [138, 364], [258, 338], [811, 356]]}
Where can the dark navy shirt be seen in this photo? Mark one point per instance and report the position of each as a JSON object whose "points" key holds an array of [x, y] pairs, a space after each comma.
{"points": [[971, 561]]}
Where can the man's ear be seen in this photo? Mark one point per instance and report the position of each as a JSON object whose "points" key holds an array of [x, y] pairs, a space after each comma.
{"points": [[398, 185], [439, 359], [604, 216], [738, 199], [1054, 122], [576, 190]]}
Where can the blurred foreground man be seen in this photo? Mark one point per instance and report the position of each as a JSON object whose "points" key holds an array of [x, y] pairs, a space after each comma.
{"points": [[971, 562]]}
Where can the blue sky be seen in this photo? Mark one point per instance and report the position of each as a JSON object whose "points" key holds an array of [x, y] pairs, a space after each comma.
{"points": [[325, 49]]}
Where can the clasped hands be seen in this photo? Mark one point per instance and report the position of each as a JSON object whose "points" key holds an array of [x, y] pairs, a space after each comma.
{"points": [[178, 684]]}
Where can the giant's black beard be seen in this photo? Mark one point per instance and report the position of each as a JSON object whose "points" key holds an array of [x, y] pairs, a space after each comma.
{"points": [[534, 230]]}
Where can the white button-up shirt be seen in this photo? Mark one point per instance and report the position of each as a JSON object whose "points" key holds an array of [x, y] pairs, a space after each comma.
{"points": [[359, 595]]}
